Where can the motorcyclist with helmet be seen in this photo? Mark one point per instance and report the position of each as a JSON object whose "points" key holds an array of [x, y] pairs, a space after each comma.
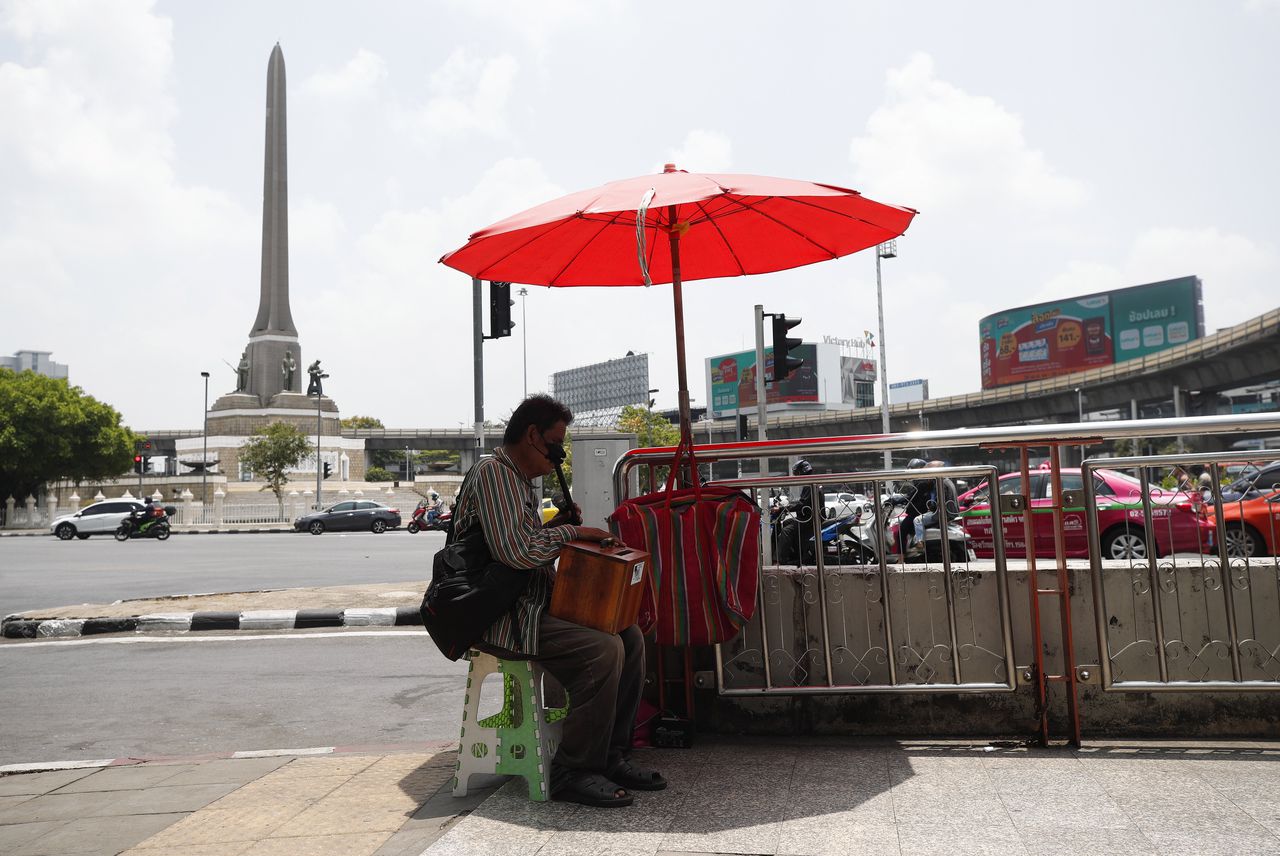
{"points": [[794, 529], [922, 505], [435, 507]]}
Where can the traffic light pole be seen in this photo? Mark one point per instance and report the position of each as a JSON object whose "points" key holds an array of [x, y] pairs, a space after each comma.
{"points": [[477, 315], [760, 380], [319, 465]]}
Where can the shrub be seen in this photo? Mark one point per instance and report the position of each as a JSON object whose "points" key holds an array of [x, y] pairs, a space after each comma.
{"points": [[378, 474]]}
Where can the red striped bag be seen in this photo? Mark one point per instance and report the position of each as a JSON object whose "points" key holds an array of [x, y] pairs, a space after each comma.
{"points": [[704, 544]]}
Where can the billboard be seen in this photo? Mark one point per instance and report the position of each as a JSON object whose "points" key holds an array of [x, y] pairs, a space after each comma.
{"points": [[827, 378], [1059, 337], [905, 391], [597, 393]]}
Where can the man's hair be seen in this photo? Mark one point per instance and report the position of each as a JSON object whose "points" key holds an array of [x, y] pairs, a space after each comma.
{"points": [[541, 411]]}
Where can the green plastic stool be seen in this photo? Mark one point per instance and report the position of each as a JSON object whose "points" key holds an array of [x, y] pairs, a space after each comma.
{"points": [[518, 740]]}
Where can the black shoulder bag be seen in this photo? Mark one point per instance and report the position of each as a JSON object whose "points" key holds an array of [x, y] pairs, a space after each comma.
{"points": [[468, 591]]}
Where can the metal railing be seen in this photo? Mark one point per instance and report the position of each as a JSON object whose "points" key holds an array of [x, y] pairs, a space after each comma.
{"points": [[1209, 620], [794, 644]]}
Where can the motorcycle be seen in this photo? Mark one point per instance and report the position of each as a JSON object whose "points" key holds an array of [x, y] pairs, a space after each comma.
{"points": [[419, 522], [862, 539], [154, 526]]}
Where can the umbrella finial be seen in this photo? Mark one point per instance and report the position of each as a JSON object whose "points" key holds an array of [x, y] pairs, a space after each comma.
{"points": [[669, 167]]}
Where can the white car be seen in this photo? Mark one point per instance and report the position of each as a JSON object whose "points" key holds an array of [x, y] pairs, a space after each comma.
{"points": [[840, 504], [101, 518]]}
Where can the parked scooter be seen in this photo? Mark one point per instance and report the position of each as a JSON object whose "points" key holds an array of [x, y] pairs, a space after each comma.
{"points": [[419, 522], [861, 540], [152, 523]]}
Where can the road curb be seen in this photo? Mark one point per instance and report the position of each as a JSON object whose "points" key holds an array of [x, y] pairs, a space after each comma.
{"points": [[370, 749], [15, 627]]}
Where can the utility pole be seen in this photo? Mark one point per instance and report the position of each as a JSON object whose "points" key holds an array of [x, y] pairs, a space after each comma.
{"points": [[477, 317], [887, 250], [204, 455], [524, 338]]}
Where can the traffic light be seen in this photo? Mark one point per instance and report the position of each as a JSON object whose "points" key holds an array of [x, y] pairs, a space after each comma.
{"points": [[326, 469], [137, 463], [150, 465], [783, 363], [500, 304]]}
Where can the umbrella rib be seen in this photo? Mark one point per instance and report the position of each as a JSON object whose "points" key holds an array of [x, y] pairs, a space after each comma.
{"points": [[712, 220], [511, 252], [578, 252], [755, 210]]}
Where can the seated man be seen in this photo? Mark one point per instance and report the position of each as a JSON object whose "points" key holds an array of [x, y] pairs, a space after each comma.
{"points": [[434, 507], [603, 673]]}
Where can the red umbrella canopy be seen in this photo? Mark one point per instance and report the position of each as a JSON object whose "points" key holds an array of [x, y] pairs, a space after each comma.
{"points": [[727, 225]]}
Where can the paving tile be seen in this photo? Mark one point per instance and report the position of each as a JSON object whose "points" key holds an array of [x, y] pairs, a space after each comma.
{"points": [[1210, 842], [1075, 841], [333, 818], [1034, 809], [14, 834], [59, 807], [724, 832], [965, 839], [227, 848], [40, 783], [217, 826], [164, 799], [345, 765], [837, 836], [305, 789], [125, 778], [410, 842], [237, 770], [481, 836], [106, 835], [1260, 804], [350, 844], [15, 799]]}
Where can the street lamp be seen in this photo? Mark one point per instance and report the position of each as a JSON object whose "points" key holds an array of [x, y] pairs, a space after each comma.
{"points": [[408, 471], [524, 339], [317, 377], [1080, 415], [204, 456], [887, 250]]}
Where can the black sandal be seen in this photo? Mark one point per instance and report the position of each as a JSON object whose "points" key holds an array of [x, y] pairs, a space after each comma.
{"points": [[592, 789], [637, 778]]}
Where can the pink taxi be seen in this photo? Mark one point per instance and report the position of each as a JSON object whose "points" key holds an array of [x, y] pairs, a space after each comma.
{"points": [[1179, 519]]}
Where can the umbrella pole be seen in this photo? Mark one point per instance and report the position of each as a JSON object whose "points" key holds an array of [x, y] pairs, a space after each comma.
{"points": [[686, 428]]}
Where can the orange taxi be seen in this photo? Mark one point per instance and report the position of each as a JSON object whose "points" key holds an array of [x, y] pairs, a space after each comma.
{"points": [[1251, 525]]}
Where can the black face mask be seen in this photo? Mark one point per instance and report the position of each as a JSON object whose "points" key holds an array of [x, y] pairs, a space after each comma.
{"points": [[555, 452]]}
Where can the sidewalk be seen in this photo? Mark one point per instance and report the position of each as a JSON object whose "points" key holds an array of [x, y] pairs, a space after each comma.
{"points": [[819, 796], [368, 605]]}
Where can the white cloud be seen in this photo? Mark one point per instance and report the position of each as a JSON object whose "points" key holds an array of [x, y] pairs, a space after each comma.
{"points": [[702, 151], [937, 147], [468, 95], [359, 78]]}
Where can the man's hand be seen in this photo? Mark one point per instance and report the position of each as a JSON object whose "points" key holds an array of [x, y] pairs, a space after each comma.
{"points": [[590, 533], [563, 517]]}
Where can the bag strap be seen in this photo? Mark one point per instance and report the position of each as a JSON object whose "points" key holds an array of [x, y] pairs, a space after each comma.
{"points": [[685, 449]]}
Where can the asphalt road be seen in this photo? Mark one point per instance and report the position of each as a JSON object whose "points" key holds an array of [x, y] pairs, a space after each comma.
{"points": [[105, 698], [46, 572]]}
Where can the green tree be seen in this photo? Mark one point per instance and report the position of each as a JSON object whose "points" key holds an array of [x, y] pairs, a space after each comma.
{"points": [[272, 452], [377, 474], [51, 430], [652, 429], [378, 458]]}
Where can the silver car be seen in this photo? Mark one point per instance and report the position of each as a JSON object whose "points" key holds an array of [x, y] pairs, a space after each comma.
{"points": [[101, 518]]}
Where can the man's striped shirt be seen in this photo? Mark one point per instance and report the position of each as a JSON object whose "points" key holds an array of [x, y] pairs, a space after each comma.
{"points": [[497, 497]]}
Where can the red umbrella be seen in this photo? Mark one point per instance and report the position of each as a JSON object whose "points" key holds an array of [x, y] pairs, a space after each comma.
{"points": [[712, 225]]}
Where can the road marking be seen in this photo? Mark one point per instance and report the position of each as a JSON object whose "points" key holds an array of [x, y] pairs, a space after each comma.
{"points": [[140, 640]]}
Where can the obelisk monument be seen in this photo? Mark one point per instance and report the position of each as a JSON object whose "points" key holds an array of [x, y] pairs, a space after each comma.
{"points": [[270, 371]]}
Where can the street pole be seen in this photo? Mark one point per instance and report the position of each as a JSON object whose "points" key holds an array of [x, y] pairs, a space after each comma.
{"points": [[319, 465], [204, 455], [477, 317], [1080, 417], [524, 338], [408, 471], [886, 250]]}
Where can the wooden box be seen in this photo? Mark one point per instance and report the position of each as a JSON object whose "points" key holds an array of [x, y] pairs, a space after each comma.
{"points": [[598, 586]]}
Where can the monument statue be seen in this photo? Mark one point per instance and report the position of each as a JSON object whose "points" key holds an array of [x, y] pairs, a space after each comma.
{"points": [[242, 372], [287, 367], [317, 374]]}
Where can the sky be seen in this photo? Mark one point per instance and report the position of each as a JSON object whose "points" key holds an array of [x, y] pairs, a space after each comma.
{"points": [[1052, 150]]}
